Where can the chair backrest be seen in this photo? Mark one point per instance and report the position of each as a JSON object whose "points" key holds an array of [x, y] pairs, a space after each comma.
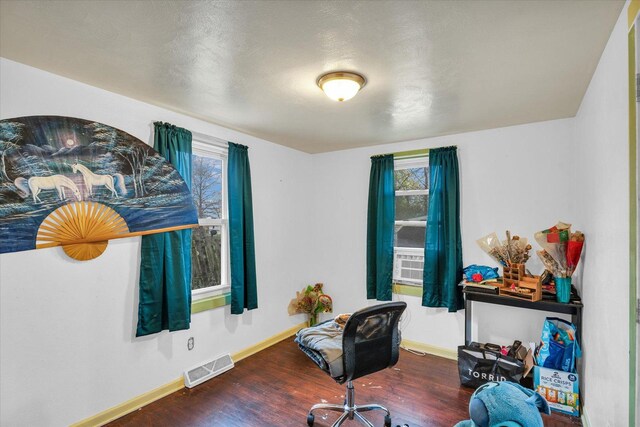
{"points": [[371, 341]]}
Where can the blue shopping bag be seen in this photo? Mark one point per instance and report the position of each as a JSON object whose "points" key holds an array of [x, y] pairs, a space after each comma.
{"points": [[560, 346]]}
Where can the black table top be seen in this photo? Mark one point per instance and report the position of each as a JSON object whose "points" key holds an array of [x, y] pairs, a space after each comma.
{"points": [[572, 307]]}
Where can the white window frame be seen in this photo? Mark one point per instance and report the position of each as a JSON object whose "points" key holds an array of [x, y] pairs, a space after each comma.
{"points": [[400, 164], [206, 146]]}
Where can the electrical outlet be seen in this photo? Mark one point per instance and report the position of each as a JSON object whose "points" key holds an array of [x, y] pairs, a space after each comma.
{"points": [[190, 343]]}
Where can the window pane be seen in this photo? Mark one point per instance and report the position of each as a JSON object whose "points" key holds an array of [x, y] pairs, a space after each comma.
{"points": [[412, 179], [412, 208], [205, 257], [206, 186], [409, 236]]}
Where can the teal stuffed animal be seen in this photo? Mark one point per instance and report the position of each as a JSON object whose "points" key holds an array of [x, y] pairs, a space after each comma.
{"points": [[505, 404]]}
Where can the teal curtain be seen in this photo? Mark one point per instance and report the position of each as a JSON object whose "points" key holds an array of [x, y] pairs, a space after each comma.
{"points": [[443, 243], [165, 262], [380, 224], [244, 292]]}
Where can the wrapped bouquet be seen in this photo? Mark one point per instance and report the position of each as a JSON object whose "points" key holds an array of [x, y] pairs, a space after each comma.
{"points": [[561, 249], [312, 301], [514, 250], [560, 254]]}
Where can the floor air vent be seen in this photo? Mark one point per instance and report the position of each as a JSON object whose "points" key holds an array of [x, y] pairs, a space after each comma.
{"points": [[207, 370]]}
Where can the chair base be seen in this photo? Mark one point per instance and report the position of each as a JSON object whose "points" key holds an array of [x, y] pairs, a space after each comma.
{"points": [[349, 410]]}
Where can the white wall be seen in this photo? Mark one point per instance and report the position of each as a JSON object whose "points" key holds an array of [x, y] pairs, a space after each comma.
{"points": [[602, 207], [67, 347], [514, 178]]}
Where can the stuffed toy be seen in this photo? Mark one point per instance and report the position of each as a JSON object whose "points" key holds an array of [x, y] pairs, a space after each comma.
{"points": [[505, 404]]}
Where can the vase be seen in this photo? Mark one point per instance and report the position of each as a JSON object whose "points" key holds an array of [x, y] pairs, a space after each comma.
{"points": [[563, 289]]}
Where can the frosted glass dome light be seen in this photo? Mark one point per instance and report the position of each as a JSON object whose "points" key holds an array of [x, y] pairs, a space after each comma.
{"points": [[341, 86]]}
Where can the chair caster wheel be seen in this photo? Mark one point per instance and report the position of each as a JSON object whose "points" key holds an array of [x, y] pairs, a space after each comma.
{"points": [[387, 421], [311, 418]]}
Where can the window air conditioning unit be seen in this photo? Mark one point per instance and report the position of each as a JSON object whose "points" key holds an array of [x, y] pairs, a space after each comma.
{"points": [[207, 370], [407, 266]]}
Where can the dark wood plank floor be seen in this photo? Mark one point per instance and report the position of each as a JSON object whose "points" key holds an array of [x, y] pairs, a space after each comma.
{"points": [[277, 386]]}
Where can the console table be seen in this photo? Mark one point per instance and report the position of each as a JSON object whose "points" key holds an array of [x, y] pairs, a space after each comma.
{"points": [[573, 308]]}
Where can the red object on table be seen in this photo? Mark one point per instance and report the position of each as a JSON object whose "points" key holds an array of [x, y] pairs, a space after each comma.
{"points": [[477, 277]]}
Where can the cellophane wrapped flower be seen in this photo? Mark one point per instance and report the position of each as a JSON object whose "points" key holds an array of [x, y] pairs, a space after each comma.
{"points": [[514, 250], [561, 249], [311, 300]]}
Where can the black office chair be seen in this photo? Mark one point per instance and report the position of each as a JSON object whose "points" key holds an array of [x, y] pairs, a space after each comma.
{"points": [[370, 343]]}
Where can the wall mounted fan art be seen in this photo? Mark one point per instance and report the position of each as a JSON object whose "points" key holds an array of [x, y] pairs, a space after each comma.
{"points": [[77, 184]]}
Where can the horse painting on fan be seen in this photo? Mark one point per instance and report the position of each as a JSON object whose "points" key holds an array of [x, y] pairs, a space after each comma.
{"points": [[36, 184], [78, 183], [95, 180]]}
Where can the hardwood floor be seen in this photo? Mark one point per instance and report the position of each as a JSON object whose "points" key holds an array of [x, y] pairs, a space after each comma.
{"points": [[277, 386]]}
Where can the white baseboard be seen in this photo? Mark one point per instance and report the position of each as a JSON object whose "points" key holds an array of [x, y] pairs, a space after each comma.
{"points": [[585, 418], [430, 349]]}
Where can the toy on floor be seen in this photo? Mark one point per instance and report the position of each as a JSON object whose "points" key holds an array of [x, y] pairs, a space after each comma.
{"points": [[505, 404]]}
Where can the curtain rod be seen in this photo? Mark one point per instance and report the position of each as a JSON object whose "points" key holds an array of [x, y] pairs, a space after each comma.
{"points": [[406, 154], [203, 137], [411, 153]]}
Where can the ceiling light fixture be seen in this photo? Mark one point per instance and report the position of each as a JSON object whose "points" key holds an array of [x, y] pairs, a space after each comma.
{"points": [[341, 86]]}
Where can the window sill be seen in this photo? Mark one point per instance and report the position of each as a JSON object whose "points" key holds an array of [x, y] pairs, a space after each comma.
{"points": [[209, 303], [411, 290], [213, 291]]}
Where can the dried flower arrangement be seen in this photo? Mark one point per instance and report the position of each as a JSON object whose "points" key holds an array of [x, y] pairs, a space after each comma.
{"points": [[312, 301], [512, 254], [514, 250]]}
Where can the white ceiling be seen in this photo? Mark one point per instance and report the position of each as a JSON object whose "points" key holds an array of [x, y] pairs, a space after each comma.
{"points": [[432, 67]]}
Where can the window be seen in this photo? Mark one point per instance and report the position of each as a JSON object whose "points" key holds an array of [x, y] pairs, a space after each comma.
{"points": [[412, 203], [210, 243]]}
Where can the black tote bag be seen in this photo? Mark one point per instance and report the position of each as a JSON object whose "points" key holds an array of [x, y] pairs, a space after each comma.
{"points": [[477, 366]]}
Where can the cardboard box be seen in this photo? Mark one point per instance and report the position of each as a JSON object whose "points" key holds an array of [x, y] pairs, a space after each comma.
{"points": [[560, 388]]}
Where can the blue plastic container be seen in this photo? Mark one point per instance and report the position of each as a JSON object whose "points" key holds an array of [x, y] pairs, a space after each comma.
{"points": [[563, 289]]}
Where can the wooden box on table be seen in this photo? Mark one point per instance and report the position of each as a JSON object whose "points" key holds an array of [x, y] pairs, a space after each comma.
{"points": [[518, 285]]}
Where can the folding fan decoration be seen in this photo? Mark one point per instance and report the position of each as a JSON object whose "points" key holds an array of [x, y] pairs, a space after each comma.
{"points": [[77, 184]]}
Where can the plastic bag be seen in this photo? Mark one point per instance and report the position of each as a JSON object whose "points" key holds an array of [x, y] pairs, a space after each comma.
{"points": [[560, 347], [486, 272], [478, 366]]}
